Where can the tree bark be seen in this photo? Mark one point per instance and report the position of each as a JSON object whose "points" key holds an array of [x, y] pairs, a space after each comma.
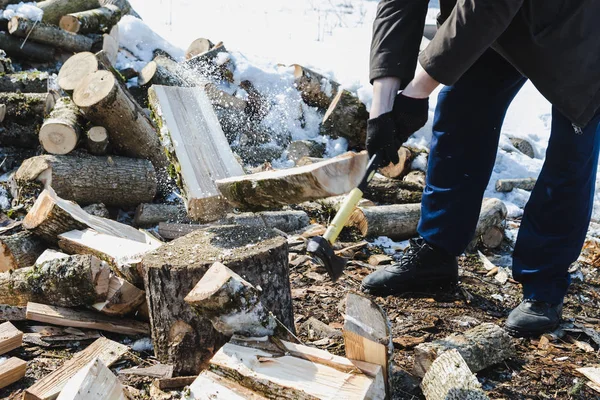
{"points": [[49, 34], [416, 177], [17, 47], [316, 90], [24, 82], [60, 132], [157, 74], [75, 69], [507, 185], [97, 140], [113, 181], [346, 117], [91, 21], [54, 10], [69, 282], [22, 136], [398, 222], [392, 191], [181, 336], [26, 108], [19, 250], [523, 146], [148, 215], [6, 66], [492, 215]]}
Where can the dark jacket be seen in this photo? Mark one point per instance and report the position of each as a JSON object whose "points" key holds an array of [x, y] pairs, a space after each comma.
{"points": [[554, 43]]}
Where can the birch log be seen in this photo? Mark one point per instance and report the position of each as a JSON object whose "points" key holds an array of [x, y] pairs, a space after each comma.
{"points": [[398, 222], [60, 132], [49, 34]]}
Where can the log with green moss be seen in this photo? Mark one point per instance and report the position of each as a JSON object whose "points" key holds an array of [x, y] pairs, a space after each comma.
{"points": [[24, 82], [25, 108], [91, 21], [49, 34]]}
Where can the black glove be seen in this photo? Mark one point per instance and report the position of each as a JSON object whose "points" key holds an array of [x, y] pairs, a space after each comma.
{"points": [[410, 115]]}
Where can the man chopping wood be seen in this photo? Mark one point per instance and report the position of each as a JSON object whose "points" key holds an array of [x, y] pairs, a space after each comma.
{"points": [[484, 51]]}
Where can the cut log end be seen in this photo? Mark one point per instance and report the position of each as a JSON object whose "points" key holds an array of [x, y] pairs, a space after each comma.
{"points": [[197, 47], [70, 23], [94, 88], [75, 69], [147, 73], [57, 138], [97, 140]]}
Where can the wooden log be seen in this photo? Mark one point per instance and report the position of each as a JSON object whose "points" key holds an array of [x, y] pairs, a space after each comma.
{"points": [[113, 181], [97, 140], [214, 64], [333, 177], [50, 386], [11, 371], [63, 316], [49, 255], [110, 47], [61, 130], [346, 117], [523, 146], [93, 382], [397, 171], [19, 250], [10, 338], [316, 90], [50, 216], [392, 191], [54, 10], [198, 46], [481, 347], [493, 214], [148, 215], [155, 74], [493, 237], [131, 133], [91, 21], [75, 69], [450, 378], [398, 221], [122, 298], [25, 107], [185, 339], [123, 5], [72, 281], [20, 136], [24, 82], [416, 177], [49, 34], [27, 50], [507, 185], [197, 148]]}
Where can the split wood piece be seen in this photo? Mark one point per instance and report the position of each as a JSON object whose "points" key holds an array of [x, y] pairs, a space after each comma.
{"points": [[24, 82], [415, 177], [91, 21], [507, 185], [12, 313], [593, 374], [123, 298], [346, 117], [49, 387], [492, 216], [398, 221], [333, 177], [19, 250], [397, 171], [54, 10], [10, 338], [198, 46], [113, 181], [24, 107], [231, 303], [46, 335], [450, 378], [11, 371], [148, 215], [21, 136], [49, 255], [316, 90], [63, 316], [49, 34], [367, 332], [123, 254], [75, 69], [162, 371], [174, 383], [97, 140], [62, 128], [93, 382], [71, 281], [110, 48], [481, 347], [208, 386], [392, 191], [50, 216], [379, 259], [287, 377], [105, 103], [523, 146], [28, 50], [182, 337], [198, 149]]}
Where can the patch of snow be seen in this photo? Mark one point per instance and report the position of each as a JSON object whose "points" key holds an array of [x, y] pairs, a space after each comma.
{"points": [[388, 245], [141, 345], [420, 162], [29, 11]]}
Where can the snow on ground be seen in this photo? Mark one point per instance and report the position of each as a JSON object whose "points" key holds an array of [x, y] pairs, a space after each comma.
{"points": [[25, 10]]}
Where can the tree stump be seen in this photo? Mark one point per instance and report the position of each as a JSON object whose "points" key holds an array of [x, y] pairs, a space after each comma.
{"points": [[188, 340]]}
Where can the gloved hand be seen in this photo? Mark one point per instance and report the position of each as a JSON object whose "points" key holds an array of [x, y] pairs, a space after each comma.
{"points": [[410, 115]]}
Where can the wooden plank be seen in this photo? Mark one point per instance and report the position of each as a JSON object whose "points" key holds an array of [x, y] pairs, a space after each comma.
{"points": [[49, 387], [93, 382], [198, 147], [10, 337], [11, 371], [63, 316]]}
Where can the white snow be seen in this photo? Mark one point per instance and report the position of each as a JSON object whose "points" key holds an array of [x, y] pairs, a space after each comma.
{"points": [[144, 344], [29, 11], [388, 245]]}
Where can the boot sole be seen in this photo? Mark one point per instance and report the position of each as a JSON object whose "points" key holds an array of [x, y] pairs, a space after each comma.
{"points": [[518, 333], [430, 287]]}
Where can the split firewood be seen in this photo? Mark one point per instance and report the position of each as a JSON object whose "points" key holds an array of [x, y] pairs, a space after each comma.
{"points": [[397, 171], [11, 371], [63, 316], [305, 148], [97, 140], [346, 117], [416, 177], [398, 221], [392, 191], [333, 177], [49, 34], [492, 219], [198, 46], [187, 119], [21, 136], [113, 181], [75, 69], [24, 82], [110, 48], [10, 338], [481, 347], [24, 107], [209, 385], [450, 378], [19, 250], [507, 185], [93, 382], [379, 259], [316, 90], [105, 103], [28, 50], [523, 146], [61, 130], [122, 298], [161, 371], [148, 215], [49, 255], [55, 9], [50, 216], [181, 336], [50, 386], [174, 383], [72, 281], [91, 21], [12, 313]]}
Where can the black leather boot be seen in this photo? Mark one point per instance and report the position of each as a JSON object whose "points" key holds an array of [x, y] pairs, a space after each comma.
{"points": [[533, 317], [422, 268]]}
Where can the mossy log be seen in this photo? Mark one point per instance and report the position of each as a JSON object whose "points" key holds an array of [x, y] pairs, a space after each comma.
{"points": [[49, 34], [97, 140], [26, 50], [24, 82], [75, 69], [19, 250], [25, 108], [68, 282], [346, 117], [113, 181], [316, 90], [91, 21], [21, 136], [60, 132], [184, 338], [392, 191], [54, 10]]}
